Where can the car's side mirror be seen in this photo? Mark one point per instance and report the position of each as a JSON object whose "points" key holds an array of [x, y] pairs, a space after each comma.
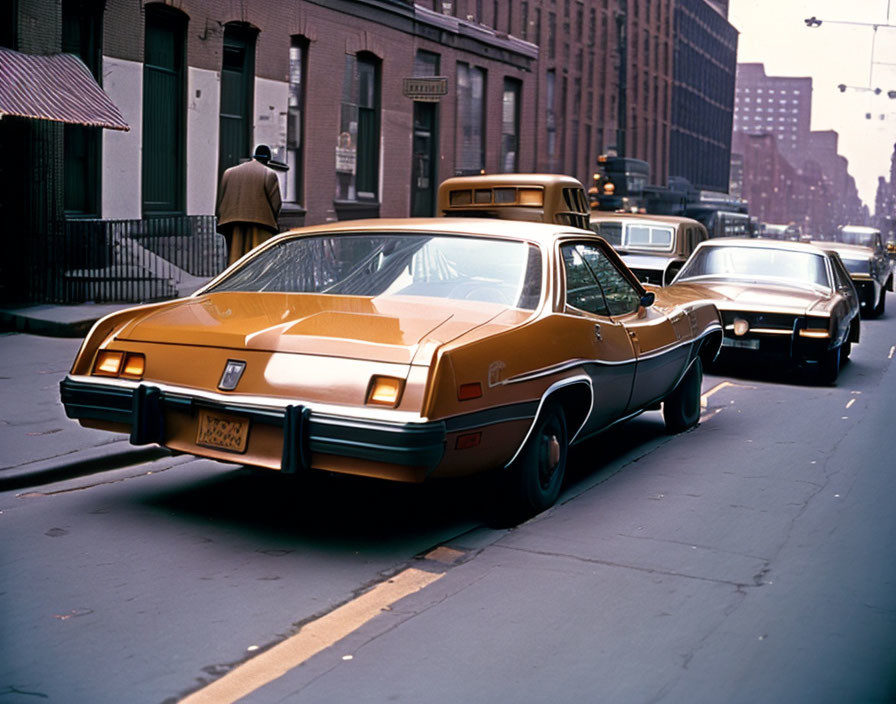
{"points": [[647, 299]]}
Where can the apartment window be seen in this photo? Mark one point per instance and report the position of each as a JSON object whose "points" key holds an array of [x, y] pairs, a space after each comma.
{"points": [[551, 118], [82, 31], [357, 147], [510, 125], [552, 34], [295, 120], [470, 151], [163, 169], [524, 20]]}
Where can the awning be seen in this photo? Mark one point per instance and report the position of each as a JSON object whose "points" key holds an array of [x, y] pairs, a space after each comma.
{"points": [[58, 87]]}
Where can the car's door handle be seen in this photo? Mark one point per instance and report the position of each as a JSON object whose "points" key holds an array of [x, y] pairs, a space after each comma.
{"points": [[597, 332]]}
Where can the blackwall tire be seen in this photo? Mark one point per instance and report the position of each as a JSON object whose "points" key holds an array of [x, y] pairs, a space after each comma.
{"points": [[681, 408], [533, 482]]}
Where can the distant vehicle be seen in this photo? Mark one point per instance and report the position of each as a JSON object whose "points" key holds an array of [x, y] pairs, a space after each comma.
{"points": [[655, 247], [785, 300], [552, 198], [865, 257], [719, 222], [403, 349], [779, 232]]}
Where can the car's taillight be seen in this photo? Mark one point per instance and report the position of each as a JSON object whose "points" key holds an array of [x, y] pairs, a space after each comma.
{"points": [[385, 390], [114, 363]]}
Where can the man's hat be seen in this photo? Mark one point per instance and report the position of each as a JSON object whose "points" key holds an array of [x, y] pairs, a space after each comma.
{"points": [[262, 153]]}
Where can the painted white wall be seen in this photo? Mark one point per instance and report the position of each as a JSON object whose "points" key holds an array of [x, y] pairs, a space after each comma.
{"points": [[123, 83], [271, 102], [203, 105]]}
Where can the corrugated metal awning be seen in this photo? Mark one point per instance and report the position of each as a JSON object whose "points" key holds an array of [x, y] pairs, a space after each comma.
{"points": [[58, 87]]}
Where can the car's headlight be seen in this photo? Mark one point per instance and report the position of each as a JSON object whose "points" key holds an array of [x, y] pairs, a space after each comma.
{"points": [[115, 363]]}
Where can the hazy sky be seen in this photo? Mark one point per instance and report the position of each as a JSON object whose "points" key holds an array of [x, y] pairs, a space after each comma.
{"points": [[773, 32]]}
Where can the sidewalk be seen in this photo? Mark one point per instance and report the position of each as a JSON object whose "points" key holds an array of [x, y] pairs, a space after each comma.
{"points": [[56, 320]]}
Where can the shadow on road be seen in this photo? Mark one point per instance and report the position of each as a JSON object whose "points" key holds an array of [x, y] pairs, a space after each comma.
{"points": [[329, 507]]}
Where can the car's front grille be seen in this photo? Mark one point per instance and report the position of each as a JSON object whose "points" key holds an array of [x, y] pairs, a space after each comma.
{"points": [[766, 321]]}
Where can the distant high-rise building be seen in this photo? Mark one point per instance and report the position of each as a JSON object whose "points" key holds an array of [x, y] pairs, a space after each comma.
{"points": [[775, 105]]}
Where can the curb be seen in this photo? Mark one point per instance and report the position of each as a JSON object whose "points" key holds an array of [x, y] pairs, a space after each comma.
{"points": [[55, 321], [91, 460]]}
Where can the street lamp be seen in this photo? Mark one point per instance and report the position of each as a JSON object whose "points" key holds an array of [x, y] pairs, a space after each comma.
{"points": [[842, 87], [814, 22]]}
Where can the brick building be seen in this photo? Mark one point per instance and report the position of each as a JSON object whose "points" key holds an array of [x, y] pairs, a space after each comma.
{"points": [[647, 56], [366, 104]]}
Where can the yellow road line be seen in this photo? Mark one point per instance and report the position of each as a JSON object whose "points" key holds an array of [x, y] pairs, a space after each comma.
{"points": [[851, 401], [892, 351], [704, 399], [312, 639]]}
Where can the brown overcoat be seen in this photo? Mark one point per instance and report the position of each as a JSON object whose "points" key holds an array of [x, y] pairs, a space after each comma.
{"points": [[249, 193]]}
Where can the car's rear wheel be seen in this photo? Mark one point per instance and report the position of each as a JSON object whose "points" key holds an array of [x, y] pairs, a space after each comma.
{"points": [[532, 483], [829, 366], [681, 408]]}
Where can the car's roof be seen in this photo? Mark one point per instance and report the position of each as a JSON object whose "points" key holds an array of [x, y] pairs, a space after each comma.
{"points": [[763, 243], [860, 229], [539, 232], [845, 249], [511, 179], [607, 215]]}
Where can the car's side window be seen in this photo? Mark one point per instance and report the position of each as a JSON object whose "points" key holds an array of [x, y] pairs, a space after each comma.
{"points": [[589, 272], [582, 288], [621, 296], [841, 277]]}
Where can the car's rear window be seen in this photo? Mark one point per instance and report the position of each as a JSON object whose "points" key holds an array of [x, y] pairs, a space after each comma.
{"points": [[638, 236], [756, 263], [508, 272]]}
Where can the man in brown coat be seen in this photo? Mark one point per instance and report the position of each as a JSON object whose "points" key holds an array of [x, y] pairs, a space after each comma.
{"points": [[248, 203]]}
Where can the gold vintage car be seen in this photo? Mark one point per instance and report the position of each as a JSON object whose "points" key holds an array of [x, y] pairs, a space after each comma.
{"points": [[654, 247], [865, 257], [402, 349], [553, 198], [787, 300]]}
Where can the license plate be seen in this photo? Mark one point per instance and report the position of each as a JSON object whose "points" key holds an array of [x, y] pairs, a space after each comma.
{"points": [[740, 344], [222, 432]]}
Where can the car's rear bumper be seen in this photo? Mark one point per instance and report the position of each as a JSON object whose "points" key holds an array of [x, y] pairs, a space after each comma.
{"points": [[167, 416], [869, 293]]}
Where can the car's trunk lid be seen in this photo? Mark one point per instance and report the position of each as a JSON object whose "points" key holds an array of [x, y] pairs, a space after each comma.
{"points": [[388, 329]]}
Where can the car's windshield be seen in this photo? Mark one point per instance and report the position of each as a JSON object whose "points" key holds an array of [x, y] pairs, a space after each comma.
{"points": [[756, 263], [386, 264], [865, 238]]}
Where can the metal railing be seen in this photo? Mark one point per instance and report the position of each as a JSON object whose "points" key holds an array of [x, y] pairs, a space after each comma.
{"points": [[128, 261]]}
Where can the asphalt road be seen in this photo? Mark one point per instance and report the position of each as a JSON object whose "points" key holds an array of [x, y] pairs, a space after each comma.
{"points": [[747, 560]]}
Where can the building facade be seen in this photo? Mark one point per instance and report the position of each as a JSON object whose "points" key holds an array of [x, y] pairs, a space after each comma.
{"points": [[366, 104]]}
